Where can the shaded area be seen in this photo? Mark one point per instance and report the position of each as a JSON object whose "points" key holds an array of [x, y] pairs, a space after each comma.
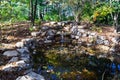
{"points": [[67, 63]]}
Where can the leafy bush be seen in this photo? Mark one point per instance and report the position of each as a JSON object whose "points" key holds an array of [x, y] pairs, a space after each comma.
{"points": [[13, 11], [102, 13], [49, 17], [53, 15]]}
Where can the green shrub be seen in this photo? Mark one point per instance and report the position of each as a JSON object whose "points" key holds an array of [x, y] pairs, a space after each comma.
{"points": [[102, 13]]}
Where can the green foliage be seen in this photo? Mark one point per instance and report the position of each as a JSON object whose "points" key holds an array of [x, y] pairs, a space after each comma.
{"points": [[13, 11], [57, 10], [87, 12], [102, 13], [49, 17], [52, 16], [116, 6]]}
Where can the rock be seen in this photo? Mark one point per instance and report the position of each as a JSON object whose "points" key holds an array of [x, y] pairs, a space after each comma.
{"points": [[24, 54], [50, 33], [58, 33], [84, 35], [93, 34], [81, 26], [103, 48], [29, 43], [61, 23], [48, 41], [50, 38], [19, 44], [21, 63], [114, 40], [77, 37], [112, 49], [25, 57], [81, 30], [11, 66], [46, 24], [101, 37], [106, 42], [90, 36], [34, 34], [31, 76], [7, 68], [102, 56], [72, 36], [89, 45], [23, 50], [84, 39], [88, 32], [43, 34], [74, 30], [67, 28], [53, 23], [13, 59], [28, 71], [99, 41], [79, 34], [11, 53], [45, 28], [58, 27]]}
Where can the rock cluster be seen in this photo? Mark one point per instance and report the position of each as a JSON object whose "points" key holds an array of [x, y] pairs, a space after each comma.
{"points": [[78, 34], [20, 60], [60, 32]]}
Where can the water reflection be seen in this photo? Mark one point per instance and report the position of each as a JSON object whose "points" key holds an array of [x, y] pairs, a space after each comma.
{"points": [[65, 61]]}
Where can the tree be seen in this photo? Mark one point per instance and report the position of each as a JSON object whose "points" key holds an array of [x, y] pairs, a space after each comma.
{"points": [[115, 4], [76, 6]]}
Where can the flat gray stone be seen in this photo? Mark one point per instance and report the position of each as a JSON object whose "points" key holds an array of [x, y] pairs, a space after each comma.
{"points": [[19, 44], [23, 50], [11, 53], [31, 76], [48, 41], [13, 59]]}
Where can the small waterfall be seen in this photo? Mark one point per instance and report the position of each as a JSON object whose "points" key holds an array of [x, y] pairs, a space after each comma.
{"points": [[62, 38]]}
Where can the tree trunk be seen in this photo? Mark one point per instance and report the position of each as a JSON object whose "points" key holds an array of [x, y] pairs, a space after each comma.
{"points": [[77, 17], [35, 9], [31, 12], [115, 23]]}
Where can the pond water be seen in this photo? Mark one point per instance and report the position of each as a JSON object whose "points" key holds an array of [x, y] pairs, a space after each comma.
{"points": [[66, 61]]}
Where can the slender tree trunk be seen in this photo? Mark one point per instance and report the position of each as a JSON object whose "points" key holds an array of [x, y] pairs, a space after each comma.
{"points": [[31, 12], [77, 17], [34, 13], [114, 17], [40, 13], [115, 21]]}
